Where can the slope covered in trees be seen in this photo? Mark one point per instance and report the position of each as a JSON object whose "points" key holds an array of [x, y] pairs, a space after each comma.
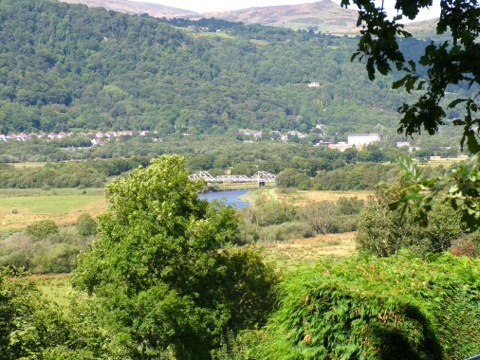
{"points": [[70, 67]]}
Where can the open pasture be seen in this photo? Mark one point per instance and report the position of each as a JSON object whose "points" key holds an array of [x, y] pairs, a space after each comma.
{"points": [[435, 161], [20, 208], [289, 255], [300, 197]]}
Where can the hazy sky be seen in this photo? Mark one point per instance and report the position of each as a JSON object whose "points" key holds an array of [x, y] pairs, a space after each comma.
{"points": [[220, 5]]}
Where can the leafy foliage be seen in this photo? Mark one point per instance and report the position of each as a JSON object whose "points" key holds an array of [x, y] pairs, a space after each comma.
{"points": [[33, 328], [450, 62], [459, 188], [86, 225], [383, 232], [162, 272], [399, 307], [53, 253], [42, 229]]}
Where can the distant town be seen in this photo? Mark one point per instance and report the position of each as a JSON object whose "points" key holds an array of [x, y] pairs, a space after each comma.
{"points": [[101, 137], [96, 137]]}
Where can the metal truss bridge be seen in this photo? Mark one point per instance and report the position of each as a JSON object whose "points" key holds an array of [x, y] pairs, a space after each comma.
{"points": [[259, 176]]}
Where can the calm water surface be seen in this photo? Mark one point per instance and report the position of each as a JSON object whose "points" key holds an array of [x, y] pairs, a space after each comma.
{"points": [[229, 197]]}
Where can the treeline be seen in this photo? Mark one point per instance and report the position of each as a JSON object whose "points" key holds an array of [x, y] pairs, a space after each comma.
{"points": [[66, 174], [314, 166], [66, 67], [297, 166]]}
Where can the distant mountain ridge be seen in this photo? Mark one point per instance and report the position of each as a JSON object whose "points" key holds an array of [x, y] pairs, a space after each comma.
{"points": [[66, 67], [135, 7], [323, 16]]}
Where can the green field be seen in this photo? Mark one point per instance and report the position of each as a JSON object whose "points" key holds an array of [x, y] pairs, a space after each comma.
{"points": [[20, 208], [300, 197], [56, 288]]}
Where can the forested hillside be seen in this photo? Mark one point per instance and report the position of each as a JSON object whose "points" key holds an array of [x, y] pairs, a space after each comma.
{"points": [[68, 67]]}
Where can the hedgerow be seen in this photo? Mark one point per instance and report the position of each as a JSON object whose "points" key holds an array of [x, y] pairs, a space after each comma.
{"points": [[399, 307]]}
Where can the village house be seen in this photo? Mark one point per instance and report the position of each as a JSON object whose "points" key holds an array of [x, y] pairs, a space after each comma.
{"points": [[362, 139]]}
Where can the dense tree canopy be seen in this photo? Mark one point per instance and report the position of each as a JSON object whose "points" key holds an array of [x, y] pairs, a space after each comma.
{"points": [[107, 70], [163, 272]]}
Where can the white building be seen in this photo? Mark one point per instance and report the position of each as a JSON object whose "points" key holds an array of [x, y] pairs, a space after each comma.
{"points": [[363, 139]]}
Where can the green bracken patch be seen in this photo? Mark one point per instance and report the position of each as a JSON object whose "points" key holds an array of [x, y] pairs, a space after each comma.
{"points": [[400, 307]]}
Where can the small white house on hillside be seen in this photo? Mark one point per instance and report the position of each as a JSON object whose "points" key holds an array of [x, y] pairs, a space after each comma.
{"points": [[363, 139]]}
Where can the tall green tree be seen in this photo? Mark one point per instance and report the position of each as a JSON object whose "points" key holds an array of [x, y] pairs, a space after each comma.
{"points": [[165, 277]]}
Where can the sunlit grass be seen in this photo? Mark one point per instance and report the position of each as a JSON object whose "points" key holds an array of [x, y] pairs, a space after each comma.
{"points": [[299, 197], [289, 255], [20, 208], [55, 288]]}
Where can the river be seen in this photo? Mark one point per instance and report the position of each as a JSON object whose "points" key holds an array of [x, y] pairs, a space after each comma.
{"points": [[229, 197]]}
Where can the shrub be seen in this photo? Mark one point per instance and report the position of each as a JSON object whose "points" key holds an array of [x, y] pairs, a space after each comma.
{"points": [[42, 229], [86, 225], [350, 205], [400, 307], [292, 178], [343, 223], [319, 215], [467, 246], [286, 231], [57, 258], [382, 232], [272, 214]]}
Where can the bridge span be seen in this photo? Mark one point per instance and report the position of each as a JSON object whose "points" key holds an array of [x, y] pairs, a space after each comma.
{"points": [[259, 176]]}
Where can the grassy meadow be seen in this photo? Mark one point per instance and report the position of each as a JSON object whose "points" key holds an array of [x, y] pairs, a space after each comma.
{"points": [[289, 255], [55, 287], [22, 207], [299, 197]]}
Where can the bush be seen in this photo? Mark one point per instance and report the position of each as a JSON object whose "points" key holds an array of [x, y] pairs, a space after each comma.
{"points": [[286, 231], [269, 214], [57, 258], [292, 178], [382, 232], [42, 229], [467, 246], [55, 254], [86, 225], [350, 205], [319, 215], [400, 307], [342, 223]]}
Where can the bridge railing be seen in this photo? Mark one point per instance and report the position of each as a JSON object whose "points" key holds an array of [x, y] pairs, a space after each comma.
{"points": [[259, 176]]}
